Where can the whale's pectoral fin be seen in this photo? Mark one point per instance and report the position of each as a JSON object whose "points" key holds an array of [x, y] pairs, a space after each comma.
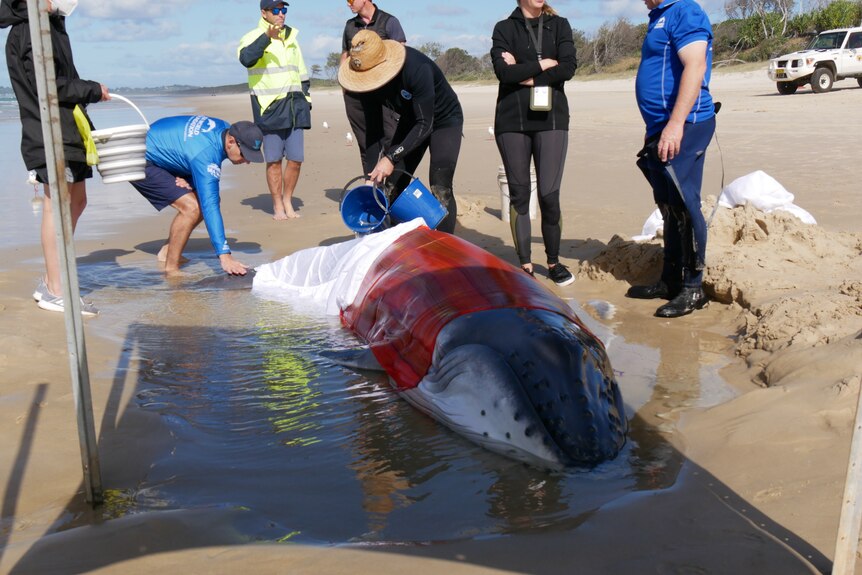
{"points": [[360, 358]]}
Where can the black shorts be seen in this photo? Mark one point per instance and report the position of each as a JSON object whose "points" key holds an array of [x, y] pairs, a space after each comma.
{"points": [[160, 187], [75, 172]]}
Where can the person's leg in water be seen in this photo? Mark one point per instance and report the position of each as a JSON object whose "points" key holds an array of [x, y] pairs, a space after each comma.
{"points": [[163, 189], [549, 154], [187, 219], [516, 150]]}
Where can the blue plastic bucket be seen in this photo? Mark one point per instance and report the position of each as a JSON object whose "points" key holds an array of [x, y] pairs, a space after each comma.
{"points": [[364, 209], [417, 201]]}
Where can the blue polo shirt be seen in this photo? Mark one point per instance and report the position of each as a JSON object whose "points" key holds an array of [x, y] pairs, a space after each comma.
{"points": [[192, 147], [673, 25]]}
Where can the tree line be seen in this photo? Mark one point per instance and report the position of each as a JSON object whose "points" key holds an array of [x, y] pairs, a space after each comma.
{"points": [[755, 30]]}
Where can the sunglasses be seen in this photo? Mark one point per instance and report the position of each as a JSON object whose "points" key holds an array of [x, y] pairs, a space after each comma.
{"points": [[351, 2], [277, 11]]}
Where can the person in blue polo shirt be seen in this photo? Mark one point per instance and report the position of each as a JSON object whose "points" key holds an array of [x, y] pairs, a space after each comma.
{"points": [[672, 90], [184, 157]]}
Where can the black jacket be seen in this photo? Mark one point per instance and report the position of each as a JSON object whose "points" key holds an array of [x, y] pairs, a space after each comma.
{"points": [[422, 98], [71, 90], [513, 99]]}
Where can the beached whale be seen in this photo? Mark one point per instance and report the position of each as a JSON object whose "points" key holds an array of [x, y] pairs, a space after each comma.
{"points": [[468, 339]]}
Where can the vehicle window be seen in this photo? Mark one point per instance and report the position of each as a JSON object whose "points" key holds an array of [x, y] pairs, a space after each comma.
{"points": [[855, 40], [828, 41]]}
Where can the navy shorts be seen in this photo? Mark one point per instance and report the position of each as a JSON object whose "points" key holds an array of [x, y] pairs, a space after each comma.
{"points": [[280, 144], [160, 187], [75, 172]]}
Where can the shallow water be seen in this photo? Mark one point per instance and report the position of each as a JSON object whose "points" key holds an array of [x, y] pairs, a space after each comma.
{"points": [[261, 421]]}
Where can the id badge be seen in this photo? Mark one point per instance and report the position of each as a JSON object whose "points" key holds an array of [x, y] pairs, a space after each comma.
{"points": [[540, 98]]}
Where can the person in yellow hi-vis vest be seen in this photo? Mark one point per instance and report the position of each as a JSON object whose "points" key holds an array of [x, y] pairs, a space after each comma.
{"points": [[280, 100]]}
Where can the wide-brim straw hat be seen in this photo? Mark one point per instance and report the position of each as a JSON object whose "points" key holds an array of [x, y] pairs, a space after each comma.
{"points": [[371, 62]]}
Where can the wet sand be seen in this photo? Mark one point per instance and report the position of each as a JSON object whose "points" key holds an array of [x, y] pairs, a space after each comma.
{"points": [[760, 476]]}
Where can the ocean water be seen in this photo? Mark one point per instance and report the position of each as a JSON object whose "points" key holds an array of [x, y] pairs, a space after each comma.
{"points": [[107, 204]]}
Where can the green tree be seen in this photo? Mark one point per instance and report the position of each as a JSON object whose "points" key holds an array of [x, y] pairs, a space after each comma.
{"points": [[315, 70], [431, 49], [838, 14], [456, 63], [333, 61]]}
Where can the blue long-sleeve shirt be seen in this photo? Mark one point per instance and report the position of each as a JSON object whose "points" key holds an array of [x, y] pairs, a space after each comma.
{"points": [[192, 148]]}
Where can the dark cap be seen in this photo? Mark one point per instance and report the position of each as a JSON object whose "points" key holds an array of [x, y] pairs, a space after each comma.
{"points": [[250, 139], [270, 4]]}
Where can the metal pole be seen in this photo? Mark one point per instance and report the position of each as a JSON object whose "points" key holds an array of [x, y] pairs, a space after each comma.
{"points": [[847, 542], [46, 84]]}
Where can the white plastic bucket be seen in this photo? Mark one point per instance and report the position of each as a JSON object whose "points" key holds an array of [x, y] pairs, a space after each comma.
{"points": [[122, 150], [504, 193]]}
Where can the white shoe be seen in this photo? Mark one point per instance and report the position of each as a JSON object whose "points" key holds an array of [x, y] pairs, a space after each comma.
{"points": [[53, 302], [41, 290]]}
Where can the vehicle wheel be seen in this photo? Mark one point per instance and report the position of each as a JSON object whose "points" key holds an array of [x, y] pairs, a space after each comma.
{"points": [[821, 80], [786, 88]]}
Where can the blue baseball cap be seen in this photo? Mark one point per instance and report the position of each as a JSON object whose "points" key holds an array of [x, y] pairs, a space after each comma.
{"points": [[270, 4], [250, 139]]}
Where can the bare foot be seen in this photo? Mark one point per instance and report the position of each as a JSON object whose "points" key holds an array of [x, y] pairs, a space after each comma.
{"points": [[176, 276], [293, 214], [280, 216], [163, 256]]}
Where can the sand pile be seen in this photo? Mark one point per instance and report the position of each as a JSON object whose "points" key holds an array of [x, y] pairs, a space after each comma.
{"points": [[795, 284]]}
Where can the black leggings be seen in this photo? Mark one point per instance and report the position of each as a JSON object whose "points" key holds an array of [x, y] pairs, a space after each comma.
{"points": [[445, 146], [547, 149]]}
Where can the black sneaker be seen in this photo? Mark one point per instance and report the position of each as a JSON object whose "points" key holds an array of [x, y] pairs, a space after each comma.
{"points": [[560, 275]]}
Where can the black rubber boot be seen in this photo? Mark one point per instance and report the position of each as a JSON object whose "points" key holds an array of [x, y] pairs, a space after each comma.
{"points": [[688, 300], [658, 290]]}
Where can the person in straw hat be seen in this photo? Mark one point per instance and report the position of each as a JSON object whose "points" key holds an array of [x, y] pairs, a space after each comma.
{"points": [[368, 16], [387, 74]]}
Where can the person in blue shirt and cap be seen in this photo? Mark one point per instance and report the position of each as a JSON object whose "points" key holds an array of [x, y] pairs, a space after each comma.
{"points": [[672, 90], [184, 157]]}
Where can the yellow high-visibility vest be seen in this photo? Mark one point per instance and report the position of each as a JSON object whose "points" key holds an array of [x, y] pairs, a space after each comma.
{"points": [[281, 69]]}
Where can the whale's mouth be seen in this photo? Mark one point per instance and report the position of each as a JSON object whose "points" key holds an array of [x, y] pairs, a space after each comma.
{"points": [[526, 380]]}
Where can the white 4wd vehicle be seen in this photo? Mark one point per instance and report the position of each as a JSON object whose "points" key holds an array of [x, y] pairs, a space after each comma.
{"points": [[832, 55]]}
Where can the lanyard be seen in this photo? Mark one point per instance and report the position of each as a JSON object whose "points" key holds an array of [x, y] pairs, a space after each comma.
{"points": [[536, 42]]}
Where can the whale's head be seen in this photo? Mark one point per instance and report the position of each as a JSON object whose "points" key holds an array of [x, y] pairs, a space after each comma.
{"points": [[529, 384]]}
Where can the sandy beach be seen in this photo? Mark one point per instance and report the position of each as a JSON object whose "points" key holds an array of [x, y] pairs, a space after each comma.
{"points": [[754, 481]]}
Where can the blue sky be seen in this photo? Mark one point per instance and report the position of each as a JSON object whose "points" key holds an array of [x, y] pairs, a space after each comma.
{"points": [[145, 43]]}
